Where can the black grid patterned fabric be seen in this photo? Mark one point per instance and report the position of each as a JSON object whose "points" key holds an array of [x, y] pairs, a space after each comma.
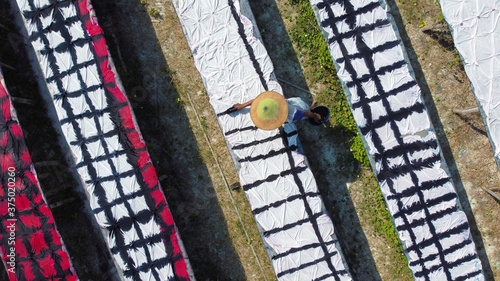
{"points": [[109, 153], [386, 104]]}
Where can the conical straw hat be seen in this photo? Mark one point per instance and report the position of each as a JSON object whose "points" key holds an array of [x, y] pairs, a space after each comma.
{"points": [[269, 110]]}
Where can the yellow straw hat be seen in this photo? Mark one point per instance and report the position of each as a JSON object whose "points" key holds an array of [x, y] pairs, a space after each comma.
{"points": [[269, 110]]}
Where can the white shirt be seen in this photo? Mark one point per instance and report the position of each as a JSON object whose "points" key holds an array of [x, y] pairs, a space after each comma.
{"points": [[296, 108]]}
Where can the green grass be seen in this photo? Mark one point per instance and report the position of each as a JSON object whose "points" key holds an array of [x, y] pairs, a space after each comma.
{"points": [[154, 13]]}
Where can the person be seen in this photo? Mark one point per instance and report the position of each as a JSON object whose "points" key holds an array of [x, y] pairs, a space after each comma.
{"points": [[270, 110]]}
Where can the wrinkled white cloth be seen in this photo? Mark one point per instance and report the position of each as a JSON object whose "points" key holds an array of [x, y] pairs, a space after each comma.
{"points": [[475, 27]]}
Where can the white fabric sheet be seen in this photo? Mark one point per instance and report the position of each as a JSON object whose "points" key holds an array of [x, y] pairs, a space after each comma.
{"points": [[475, 28]]}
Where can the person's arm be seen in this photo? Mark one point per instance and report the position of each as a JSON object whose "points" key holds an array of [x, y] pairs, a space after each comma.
{"points": [[240, 106], [315, 116], [312, 105]]}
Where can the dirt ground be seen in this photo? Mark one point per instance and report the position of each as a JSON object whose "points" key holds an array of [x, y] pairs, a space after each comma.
{"points": [[165, 89]]}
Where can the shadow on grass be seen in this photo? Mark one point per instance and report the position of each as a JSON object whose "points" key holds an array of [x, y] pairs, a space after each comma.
{"points": [[442, 36], [326, 147], [470, 122], [147, 78], [443, 141]]}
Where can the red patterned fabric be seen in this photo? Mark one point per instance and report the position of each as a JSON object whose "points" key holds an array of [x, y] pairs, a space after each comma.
{"points": [[138, 147], [34, 250]]}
